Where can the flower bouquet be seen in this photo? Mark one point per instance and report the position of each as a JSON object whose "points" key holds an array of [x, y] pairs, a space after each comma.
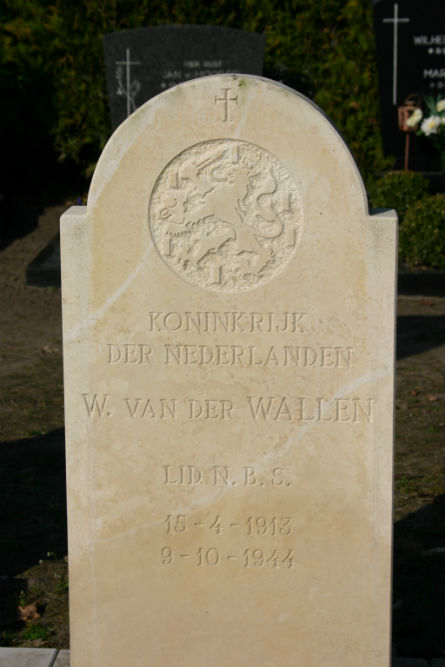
{"points": [[432, 125]]}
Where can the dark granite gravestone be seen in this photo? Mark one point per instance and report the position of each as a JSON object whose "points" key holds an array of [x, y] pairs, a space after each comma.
{"points": [[143, 62], [410, 43], [44, 270]]}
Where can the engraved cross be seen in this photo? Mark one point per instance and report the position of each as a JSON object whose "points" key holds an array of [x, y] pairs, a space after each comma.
{"points": [[226, 99], [127, 90], [395, 20]]}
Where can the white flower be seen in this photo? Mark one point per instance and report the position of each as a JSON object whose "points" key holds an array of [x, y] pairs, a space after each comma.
{"points": [[430, 125], [440, 106], [414, 118]]}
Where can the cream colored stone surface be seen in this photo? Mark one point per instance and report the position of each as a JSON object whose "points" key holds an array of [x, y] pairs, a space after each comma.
{"points": [[228, 306]]}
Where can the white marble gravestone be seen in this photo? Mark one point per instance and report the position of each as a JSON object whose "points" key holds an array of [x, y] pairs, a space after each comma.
{"points": [[228, 307]]}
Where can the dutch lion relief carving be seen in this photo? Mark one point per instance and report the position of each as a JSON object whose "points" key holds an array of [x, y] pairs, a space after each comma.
{"points": [[225, 215]]}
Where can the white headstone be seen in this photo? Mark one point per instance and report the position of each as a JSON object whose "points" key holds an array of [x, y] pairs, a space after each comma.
{"points": [[228, 307]]}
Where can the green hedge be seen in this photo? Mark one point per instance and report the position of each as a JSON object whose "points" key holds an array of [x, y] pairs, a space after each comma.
{"points": [[421, 236], [398, 190], [325, 49], [421, 216]]}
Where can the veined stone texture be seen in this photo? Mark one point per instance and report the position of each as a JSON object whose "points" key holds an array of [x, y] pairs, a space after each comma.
{"points": [[228, 315]]}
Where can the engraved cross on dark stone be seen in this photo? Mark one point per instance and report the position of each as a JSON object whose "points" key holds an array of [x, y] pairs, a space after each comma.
{"points": [[226, 99], [127, 90], [395, 20]]}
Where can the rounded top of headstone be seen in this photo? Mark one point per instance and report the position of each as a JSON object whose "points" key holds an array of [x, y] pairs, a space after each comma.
{"points": [[227, 174], [234, 106]]}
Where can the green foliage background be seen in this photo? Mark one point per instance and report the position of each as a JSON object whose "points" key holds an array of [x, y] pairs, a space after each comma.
{"points": [[53, 74], [399, 190], [421, 233]]}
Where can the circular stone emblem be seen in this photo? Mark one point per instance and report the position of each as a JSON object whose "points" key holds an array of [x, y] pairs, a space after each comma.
{"points": [[225, 215]]}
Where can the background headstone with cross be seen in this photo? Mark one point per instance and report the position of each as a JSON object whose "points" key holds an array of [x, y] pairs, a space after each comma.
{"points": [[143, 62], [410, 42]]}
